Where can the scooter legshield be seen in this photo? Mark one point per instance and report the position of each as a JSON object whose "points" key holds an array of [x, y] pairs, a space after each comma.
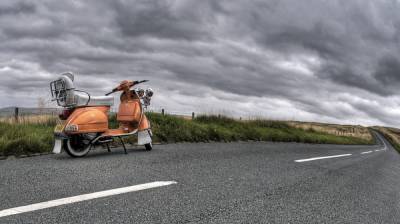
{"points": [[57, 146], [144, 137]]}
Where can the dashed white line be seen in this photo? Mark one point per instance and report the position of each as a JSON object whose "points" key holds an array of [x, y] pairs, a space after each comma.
{"points": [[83, 197], [366, 152], [323, 157]]}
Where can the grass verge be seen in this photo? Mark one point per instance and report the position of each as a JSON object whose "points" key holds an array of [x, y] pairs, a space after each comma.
{"points": [[27, 138], [17, 139]]}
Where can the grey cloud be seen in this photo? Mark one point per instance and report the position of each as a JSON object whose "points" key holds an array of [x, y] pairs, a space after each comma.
{"points": [[388, 71], [347, 76], [17, 8], [275, 57], [185, 20]]}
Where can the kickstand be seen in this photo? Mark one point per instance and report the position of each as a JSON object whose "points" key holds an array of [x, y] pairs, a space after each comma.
{"points": [[108, 147], [123, 145]]}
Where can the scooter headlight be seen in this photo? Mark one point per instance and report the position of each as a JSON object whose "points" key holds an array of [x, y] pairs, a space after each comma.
{"points": [[140, 92], [149, 92], [71, 128]]}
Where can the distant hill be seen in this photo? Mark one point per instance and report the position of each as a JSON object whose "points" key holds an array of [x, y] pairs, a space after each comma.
{"points": [[6, 111], [9, 111]]}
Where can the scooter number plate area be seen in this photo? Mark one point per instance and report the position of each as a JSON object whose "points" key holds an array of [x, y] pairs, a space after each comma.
{"points": [[59, 128]]}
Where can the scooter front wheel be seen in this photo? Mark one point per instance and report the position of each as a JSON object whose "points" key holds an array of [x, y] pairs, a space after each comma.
{"points": [[148, 146], [76, 146]]}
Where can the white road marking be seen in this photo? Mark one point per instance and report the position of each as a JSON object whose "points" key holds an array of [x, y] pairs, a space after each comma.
{"points": [[366, 152], [335, 156], [323, 157], [83, 197], [384, 144]]}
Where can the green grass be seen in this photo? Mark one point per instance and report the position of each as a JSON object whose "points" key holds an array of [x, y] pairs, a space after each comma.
{"points": [[214, 128], [19, 139]]}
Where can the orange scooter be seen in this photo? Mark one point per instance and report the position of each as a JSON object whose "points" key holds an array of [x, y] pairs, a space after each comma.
{"points": [[84, 121]]}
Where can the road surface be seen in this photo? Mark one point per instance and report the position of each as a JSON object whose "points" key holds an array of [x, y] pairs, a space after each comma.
{"points": [[243, 182]]}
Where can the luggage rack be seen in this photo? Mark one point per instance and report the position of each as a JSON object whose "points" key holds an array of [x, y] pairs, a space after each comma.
{"points": [[59, 92], [64, 93]]}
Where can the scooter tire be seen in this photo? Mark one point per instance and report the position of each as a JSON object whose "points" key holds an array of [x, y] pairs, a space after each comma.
{"points": [[72, 153], [148, 146]]}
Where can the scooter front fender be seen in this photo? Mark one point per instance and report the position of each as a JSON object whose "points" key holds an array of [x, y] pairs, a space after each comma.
{"points": [[144, 137]]}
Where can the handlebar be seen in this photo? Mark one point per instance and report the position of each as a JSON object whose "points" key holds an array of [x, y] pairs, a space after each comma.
{"points": [[134, 83], [138, 82]]}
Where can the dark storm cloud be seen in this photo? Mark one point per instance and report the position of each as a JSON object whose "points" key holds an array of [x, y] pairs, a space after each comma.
{"points": [[331, 61], [350, 78], [17, 8], [388, 71], [164, 20], [346, 37]]}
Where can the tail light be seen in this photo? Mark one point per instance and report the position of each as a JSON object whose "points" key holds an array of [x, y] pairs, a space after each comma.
{"points": [[65, 114]]}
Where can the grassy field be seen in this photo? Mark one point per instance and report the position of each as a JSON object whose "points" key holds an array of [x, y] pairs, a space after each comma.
{"points": [[32, 135], [335, 129]]}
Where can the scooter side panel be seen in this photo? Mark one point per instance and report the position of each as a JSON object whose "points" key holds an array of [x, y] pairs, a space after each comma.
{"points": [[90, 119]]}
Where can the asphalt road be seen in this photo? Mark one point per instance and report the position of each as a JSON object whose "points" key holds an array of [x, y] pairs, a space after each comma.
{"points": [[245, 182]]}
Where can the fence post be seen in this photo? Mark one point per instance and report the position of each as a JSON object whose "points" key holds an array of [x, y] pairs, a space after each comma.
{"points": [[162, 111], [192, 115], [16, 114]]}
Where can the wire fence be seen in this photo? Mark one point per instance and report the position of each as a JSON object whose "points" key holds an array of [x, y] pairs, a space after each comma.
{"points": [[49, 116], [17, 112]]}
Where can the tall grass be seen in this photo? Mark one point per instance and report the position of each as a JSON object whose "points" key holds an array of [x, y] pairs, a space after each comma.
{"points": [[46, 120], [220, 128], [26, 138], [19, 139], [340, 130]]}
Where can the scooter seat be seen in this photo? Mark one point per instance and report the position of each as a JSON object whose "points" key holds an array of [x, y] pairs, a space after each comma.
{"points": [[83, 100], [101, 100]]}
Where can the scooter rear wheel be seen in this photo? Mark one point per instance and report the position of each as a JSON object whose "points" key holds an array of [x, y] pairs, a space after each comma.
{"points": [[75, 146]]}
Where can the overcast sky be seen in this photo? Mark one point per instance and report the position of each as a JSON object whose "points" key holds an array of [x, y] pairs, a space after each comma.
{"points": [[332, 61]]}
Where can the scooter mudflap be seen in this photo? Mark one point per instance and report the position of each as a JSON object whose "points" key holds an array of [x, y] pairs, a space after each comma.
{"points": [[57, 146], [144, 137]]}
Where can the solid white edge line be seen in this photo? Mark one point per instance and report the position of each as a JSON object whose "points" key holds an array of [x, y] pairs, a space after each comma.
{"points": [[323, 157], [83, 197], [366, 152], [384, 144]]}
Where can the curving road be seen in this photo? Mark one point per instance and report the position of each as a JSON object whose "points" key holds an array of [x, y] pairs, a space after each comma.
{"points": [[245, 182]]}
